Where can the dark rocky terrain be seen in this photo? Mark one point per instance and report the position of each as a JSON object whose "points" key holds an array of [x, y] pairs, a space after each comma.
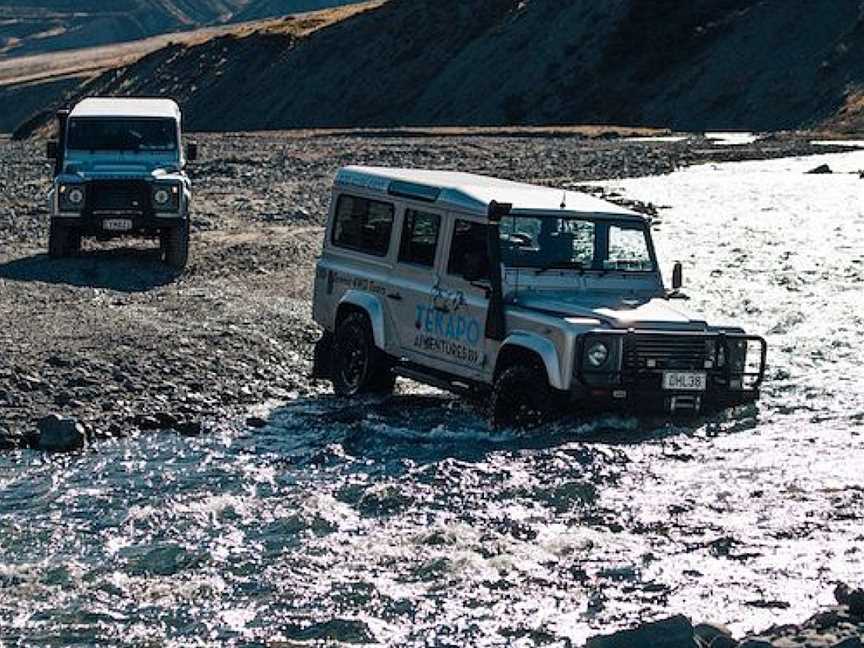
{"points": [[708, 64]]}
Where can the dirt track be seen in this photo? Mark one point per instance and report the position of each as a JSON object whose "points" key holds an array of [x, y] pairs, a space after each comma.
{"points": [[114, 339]]}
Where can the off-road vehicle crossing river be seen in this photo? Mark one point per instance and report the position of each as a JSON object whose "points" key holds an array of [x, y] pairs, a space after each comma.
{"points": [[533, 295]]}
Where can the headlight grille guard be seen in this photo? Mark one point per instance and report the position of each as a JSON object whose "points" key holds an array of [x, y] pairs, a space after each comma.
{"points": [[718, 345]]}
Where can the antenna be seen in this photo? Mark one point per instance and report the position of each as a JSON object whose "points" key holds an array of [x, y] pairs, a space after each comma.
{"points": [[564, 201]]}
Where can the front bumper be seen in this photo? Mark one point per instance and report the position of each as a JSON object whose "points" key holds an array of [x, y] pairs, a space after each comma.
{"points": [[733, 365], [126, 200]]}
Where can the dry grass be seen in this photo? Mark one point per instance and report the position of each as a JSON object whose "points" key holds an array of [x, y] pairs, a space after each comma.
{"points": [[94, 60]]}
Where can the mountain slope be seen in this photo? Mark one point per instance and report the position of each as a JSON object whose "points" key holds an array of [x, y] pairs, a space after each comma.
{"points": [[704, 64], [36, 26]]}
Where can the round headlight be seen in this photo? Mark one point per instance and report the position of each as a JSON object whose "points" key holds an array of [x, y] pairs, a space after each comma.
{"points": [[75, 196], [598, 353], [161, 196]]}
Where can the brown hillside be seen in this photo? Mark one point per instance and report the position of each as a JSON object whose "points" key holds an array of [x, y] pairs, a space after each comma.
{"points": [[704, 64]]}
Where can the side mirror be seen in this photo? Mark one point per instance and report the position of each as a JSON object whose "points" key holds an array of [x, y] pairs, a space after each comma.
{"points": [[677, 276], [51, 150], [191, 152]]}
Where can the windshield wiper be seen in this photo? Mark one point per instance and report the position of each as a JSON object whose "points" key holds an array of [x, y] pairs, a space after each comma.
{"points": [[562, 264]]}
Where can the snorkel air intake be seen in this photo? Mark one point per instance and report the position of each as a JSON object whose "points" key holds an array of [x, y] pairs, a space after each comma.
{"points": [[496, 325]]}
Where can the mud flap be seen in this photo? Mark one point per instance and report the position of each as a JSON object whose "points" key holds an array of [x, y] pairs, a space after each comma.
{"points": [[322, 366]]}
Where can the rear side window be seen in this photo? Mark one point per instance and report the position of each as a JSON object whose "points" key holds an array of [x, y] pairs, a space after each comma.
{"points": [[363, 225], [469, 249], [419, 238]]}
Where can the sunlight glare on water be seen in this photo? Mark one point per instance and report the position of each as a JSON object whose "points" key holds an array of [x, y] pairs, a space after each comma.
{"points": [[408, 522]]}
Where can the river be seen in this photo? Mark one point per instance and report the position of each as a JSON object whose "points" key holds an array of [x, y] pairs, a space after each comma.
{"points": [[407, 522]]}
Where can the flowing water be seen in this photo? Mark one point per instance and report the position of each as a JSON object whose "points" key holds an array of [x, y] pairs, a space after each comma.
{"points": [[407, 522]]}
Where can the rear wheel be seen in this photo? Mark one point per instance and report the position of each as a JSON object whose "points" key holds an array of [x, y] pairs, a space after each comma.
{"points": [[359, 367], [521, 397], [174, 244]]}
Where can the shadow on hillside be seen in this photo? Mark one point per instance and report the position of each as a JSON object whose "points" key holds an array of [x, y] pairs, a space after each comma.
{"points": [[122, 269]]}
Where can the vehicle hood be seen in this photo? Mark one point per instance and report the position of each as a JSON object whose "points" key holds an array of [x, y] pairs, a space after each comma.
{"points": [[122, 165], [616, 311]]}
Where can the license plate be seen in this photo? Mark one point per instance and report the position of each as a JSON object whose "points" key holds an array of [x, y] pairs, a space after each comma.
{"points": [[685, 380], [117, 225]]}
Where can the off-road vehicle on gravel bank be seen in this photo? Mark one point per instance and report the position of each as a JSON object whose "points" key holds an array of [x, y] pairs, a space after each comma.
{"points": [[537, 298], [120, 170]]}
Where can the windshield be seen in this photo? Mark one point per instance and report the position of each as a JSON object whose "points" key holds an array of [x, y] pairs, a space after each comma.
{"points": [[122, 135], [547, 243]]}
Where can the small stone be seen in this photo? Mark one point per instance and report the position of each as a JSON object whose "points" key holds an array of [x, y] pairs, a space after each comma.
{"points": [[856, 603], [146, 422], [674, 632], [722, 641], [820, 170], [9, 441], [256, 422], [705, 633], [189, 428], [57, 434], [851, 642]]}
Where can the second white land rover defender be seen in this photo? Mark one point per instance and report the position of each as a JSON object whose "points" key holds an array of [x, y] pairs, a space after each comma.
{"points": [[119, 170], [533, 297]]}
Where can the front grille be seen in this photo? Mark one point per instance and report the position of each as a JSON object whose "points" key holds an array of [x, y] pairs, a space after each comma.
{"points": [[646, 351], [118, 196]]}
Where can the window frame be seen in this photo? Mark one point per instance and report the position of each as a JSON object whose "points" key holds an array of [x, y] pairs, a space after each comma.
{"points": [[454, 223], [406, 213], [355, 248]]}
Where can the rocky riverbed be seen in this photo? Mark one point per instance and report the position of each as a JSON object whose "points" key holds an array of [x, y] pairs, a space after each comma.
{"points": [[212, 458], [117, 341]]}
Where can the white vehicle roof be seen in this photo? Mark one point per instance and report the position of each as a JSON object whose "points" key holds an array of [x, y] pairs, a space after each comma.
{"points": [[474, 193], [126, 107]]}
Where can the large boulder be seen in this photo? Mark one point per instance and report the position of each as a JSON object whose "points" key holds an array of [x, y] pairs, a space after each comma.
{"points": [[58, 434], [674, 632]]}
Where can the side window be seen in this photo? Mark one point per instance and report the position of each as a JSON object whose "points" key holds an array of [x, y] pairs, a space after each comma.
{"points": [[419, 238], [468, 250], [363, 225]]}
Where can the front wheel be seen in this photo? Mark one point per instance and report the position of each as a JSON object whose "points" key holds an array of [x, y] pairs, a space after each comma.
{"points": [[63, 241], [358, 365], [521, 397], [174, 244]]}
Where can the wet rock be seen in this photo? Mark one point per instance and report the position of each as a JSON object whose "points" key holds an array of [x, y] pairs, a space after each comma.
{"points": [[853, 599], [722, 641], [189, 428], [256, 422], [674, 632], [342, 630], [851, 642], [58, 434], [706, 634], [820, 170], [9, 441]]}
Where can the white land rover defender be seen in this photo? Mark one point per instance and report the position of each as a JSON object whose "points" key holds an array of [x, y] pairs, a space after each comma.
{"points": [[119, 170], [535, 297]]}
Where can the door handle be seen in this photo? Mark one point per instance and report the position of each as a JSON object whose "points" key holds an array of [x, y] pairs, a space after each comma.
{"points": [[394, 296]]}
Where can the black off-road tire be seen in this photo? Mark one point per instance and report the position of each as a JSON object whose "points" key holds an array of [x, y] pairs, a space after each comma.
{"points": [[359, 367], [63, 241], [174, 244], [521, 397]]}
